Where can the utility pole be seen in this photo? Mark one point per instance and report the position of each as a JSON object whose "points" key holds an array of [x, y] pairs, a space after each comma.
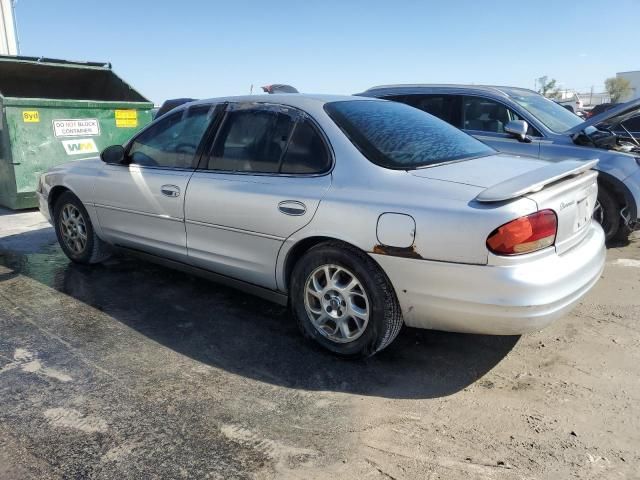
{"points": [[8, 34]]}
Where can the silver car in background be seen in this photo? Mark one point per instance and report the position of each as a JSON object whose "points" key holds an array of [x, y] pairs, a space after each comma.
{"points": [[522, 122], [361, 214]]}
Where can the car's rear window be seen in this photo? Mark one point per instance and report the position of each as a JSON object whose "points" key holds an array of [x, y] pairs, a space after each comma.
{"points": [[397, 136]]}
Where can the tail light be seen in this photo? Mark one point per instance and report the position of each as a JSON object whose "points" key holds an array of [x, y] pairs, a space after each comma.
{"points": [[525, 234]]}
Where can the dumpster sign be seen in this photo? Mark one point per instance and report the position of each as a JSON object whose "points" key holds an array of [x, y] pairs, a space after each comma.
{"points": [[126, 118], [79, 147], [31, 116], [76, 127]]}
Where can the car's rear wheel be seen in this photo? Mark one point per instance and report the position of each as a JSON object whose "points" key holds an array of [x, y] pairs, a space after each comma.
{"points": [[75, 231], [344, 301], [607, 214]]}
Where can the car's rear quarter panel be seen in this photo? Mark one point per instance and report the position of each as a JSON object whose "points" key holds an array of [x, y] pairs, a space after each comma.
{"points": [[501, 300]]}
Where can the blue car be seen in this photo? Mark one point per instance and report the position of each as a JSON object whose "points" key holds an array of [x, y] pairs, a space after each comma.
{"points": [[523, 122]]}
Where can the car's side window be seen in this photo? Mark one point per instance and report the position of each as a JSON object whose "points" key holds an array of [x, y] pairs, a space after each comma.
{"points": [[445, 107], [532, 132], [306, 152], [251, 140], [486, 115], [172, 141], [268, 139]]}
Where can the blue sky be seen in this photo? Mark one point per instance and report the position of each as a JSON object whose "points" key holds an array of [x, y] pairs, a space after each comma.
{"points": [[209, 48]]}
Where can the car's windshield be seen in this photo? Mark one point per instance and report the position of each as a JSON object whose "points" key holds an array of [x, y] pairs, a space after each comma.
{"points": [[395, 135], [555, 117]]}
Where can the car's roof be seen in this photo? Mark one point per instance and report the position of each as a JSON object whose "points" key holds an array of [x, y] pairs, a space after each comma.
{"points": [[499, 90], [300, 100]]}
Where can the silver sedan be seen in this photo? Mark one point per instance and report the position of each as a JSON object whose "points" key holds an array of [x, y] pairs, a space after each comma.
{"points": [[361, 214]]}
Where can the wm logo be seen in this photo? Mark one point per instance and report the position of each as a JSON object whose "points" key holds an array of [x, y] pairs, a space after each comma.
{"points": [[78, 147], [81, 147]]}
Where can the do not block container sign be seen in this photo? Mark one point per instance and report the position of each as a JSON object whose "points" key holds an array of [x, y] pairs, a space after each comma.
{"points": [[55, 111]]}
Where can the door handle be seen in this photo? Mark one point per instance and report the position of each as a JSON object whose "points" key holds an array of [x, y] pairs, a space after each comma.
{"points": [[292, 207], [170, 190]]}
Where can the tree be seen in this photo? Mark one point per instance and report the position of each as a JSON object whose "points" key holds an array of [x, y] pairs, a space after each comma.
{"points": [[617, 88], [548, 87]]}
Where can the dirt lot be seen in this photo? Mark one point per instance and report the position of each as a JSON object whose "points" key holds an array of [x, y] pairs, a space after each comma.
{"points": [[129, 370]]}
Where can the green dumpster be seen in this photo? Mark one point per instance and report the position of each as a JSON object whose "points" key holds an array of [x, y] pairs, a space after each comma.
{"points": [[55, 111]]}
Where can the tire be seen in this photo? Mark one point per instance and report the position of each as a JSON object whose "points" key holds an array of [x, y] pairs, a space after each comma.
{"points": [[337, 304], [622, 237], [609, 214], [75, 233]]}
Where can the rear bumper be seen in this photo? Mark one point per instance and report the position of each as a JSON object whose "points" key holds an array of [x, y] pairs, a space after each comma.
{"points": [[499, 300]]}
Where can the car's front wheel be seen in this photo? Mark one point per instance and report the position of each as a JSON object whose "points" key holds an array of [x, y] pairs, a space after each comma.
{"points": [[344, 301], [75, 231]]}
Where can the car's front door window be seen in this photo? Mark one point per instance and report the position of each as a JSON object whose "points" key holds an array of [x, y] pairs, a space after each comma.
{"points": [[485, 115], [172, 141]]}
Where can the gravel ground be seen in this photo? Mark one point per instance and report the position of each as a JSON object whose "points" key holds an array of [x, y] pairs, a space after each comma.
{"points": [[129, 370]]}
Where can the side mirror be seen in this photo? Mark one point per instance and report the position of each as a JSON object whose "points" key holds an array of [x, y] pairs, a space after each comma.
{"points": [[517, 128], [113, 154]]}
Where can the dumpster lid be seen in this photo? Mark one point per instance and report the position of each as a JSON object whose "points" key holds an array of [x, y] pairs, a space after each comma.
{"points": [[40, 77], [23, 58]]}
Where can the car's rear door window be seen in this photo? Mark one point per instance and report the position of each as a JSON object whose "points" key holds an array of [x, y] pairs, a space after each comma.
{"points": [[173, 140], [268, 139], [307, 152], [251, 140], [397, 136], [445, 107]]}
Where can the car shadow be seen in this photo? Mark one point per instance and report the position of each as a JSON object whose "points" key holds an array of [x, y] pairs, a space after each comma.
{"points": [[28, 242], [247, 336], [7, 211]]}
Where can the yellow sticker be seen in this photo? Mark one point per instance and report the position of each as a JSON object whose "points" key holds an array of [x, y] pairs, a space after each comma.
{"points": [[31, 116], [126, 118]]}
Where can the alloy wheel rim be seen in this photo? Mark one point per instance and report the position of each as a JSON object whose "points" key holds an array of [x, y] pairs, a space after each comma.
{"points": [[73, 229], [336, 303]]}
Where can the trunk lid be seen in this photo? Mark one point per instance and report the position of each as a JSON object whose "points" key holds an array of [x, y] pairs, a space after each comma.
{"points": [[481, 172], [573, 198], [569, 188]]}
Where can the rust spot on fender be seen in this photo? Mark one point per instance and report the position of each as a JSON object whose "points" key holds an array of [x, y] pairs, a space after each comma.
{"points": [[405, 252]]}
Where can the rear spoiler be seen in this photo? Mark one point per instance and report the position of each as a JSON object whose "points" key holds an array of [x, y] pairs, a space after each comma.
{"points": [[535, 180]]}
